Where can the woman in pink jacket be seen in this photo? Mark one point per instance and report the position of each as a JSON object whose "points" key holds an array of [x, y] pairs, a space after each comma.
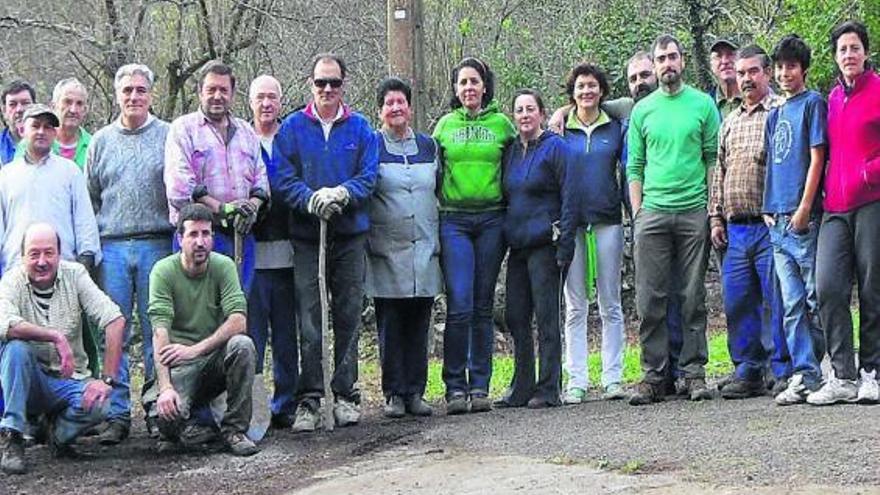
{"points": [[851, 223]]}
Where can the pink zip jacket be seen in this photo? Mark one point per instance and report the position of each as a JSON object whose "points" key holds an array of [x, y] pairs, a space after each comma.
{"points": [[852, 178]]}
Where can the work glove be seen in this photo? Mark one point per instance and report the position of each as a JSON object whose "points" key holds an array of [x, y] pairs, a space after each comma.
{"points": [[226, 214], [326, 202], [341, 195], [245, 216]]}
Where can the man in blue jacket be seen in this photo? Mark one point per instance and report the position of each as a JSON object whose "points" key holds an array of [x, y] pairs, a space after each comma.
{"points": [[327, 157]]}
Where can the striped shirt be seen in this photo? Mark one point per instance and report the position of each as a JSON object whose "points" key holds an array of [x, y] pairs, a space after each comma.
{"points": [[74, 292], [737, 191]]}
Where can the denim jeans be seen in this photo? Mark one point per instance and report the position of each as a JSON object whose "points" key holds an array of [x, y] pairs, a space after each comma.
{"points": [[403, 326], [346, 265], [794, 255], [609, 257], [533, 285], [271, 303], [749, 282], [124, 275], [671, 246], [472, 248], [30, 391], [848, 248], [225, 244]]}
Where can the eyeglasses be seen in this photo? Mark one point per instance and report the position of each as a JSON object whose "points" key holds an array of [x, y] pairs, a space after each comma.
{"points": [[333, 82]]}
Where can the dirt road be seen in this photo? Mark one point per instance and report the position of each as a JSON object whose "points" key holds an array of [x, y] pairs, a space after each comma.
{"points": [[677, 447]]}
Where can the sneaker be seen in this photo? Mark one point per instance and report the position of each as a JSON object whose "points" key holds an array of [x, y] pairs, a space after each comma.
{"points": [[738, 388], [114, 433], [418, 407], [196, 434], [480, 402], [307, 418], [240, 445], [795, 393], [834, 390], [869, 391], [574, 395], [697, 389], [12, 461], [646, 393], [346, 413], [613, 391], [456, 403], [394, 407]]}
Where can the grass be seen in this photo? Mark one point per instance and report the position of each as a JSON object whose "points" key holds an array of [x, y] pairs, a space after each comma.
{"points": [[502, 368]]}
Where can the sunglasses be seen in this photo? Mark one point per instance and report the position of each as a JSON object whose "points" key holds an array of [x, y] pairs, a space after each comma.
{"points": [[333, 82]]}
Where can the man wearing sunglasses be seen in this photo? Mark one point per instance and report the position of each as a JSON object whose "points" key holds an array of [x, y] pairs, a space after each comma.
{"points": [[327, 158]]}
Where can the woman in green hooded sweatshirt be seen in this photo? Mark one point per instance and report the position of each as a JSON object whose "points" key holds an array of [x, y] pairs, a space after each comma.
{"points": [[472, 138]]}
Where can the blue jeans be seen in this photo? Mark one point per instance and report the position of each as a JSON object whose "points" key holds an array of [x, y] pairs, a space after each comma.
{"points": [[31, 391], [271, 304], [472, 248], [795, 257], [749, 283], [123, 274], [225, 244]]}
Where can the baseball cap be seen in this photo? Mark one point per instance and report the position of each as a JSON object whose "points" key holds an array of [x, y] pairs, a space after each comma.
{"points": [[40, 110], [723, 42]]}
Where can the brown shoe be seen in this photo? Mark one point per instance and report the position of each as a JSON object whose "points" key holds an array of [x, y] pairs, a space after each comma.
{"points": [[240, 445], [646, 393], [12, 444], [697, 389]]}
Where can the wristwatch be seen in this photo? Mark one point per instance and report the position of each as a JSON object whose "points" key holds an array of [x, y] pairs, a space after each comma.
{"points": [[108, 380]]}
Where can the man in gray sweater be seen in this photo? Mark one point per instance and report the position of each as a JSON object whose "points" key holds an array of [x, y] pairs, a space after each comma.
{"points": [[124, 170]]}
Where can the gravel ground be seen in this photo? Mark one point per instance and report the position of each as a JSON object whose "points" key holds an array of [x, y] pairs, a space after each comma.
{"points": [[672, 447]]}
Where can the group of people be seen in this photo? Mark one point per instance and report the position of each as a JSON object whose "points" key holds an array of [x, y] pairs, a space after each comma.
{"points": [[211, 227]]}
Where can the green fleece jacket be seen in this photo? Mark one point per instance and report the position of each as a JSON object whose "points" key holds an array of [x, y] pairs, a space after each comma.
{"points": [[471, 150], [673, 141]]}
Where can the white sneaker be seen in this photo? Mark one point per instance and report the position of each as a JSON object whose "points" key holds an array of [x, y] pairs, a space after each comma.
{"points": [[574, 395], [306, 419], [346, 413], [833, 391], [869, 390], [795, 393]]}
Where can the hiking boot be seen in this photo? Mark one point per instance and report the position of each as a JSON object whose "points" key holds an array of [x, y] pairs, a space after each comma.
{"points": [[417, 406], [697, 389], [456, 403], [394, 407], [114, 433], [833, 391], [869, 391], [795, 393], [307, 418], [346, 413], [480, 402], [574, 395], [12, 461], [646, 393], [240, 445], [281, 421], [196, 434], [613, 391], [739, 388], [779, 386]]}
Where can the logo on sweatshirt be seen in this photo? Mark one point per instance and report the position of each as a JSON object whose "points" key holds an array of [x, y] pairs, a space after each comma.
{"points": [[473, 134], [782, 138]]}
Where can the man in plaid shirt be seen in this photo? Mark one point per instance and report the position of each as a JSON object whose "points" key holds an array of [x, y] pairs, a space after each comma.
{"points": [[751, 301]]}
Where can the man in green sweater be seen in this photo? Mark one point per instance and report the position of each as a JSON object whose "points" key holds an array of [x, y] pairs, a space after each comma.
{"points": [[198, 310], [673, 139]]}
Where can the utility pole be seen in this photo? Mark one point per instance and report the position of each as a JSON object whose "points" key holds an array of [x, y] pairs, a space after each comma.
{"points": [[406, 51]]}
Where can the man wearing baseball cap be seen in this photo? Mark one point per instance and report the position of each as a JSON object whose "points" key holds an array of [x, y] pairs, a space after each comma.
{"points": [[41, 187], [726, 93]]}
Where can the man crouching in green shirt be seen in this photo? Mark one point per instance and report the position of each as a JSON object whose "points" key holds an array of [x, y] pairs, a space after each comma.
{"points": [[673, 140], [200, 343]]}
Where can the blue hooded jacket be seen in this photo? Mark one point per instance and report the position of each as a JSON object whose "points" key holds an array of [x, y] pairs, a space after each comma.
{"points": [[533, 182], [307, 162]]}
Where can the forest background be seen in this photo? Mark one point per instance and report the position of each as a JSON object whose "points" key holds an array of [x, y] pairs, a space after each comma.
{"points": [[528, 43]]}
